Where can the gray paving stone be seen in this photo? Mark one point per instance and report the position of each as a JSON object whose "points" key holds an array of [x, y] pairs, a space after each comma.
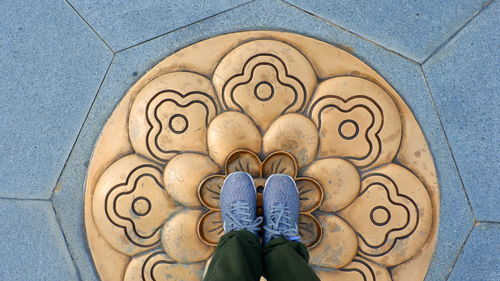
{"points": [[124, 24], [52, 65], [464, 78], [480, 259], [412, 28], [456, 217], [404, 75], [69, 195], [31, 243]]}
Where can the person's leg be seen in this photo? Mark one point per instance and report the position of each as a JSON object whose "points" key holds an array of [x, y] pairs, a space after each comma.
{"points": [[237, 257], [285, 257], [287, 261], [238, 254]]}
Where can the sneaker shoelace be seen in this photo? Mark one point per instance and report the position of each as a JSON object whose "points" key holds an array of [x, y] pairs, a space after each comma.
{"points": [[240, 218], [280, 223]]}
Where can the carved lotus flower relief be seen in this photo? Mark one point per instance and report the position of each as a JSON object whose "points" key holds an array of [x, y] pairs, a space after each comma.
{"points": [[263, 111]]}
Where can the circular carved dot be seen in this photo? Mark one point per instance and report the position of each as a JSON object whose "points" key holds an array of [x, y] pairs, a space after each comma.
{"points": [[141, 206], [380, 215], [178, 123], [264, 91], [348, 129]]}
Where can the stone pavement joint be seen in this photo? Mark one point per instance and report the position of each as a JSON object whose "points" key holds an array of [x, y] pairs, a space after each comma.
{"points": [[412, 17], [186, 26], [86, 22], [483, 241], [463, 80], [58, 220], [485, 5], [33, 243], [399, 71], [58, 186], [123, 26], [56, 62], [447, 142], [459, 253], [350, 31]]}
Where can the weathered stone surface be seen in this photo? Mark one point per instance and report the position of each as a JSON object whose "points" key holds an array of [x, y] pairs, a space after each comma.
{"points": [[183, 175], [130, 204], [171, 115], [337, 247], [180, 239], [377, 124], [339, 180], [293, 133], [231, 131]]}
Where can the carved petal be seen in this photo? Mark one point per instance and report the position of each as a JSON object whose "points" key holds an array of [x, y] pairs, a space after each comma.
{"points": [[231, 131], [357, 120], [293, 133], [359, 269], [264, 79], [392, 215], [171, 114], [243, 161], [339, 180], [310, 230], [338, 245], [210, 228], [279, 162], [183, 175], [209, 192], [130, 204], [180, 239], [311, 194], [156, 266]]}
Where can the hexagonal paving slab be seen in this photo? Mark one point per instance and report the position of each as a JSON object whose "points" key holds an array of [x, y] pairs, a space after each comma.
{"points": [[274, 94], [123, 24], [52, 67], [468, 133], [32, 244], [412, 28]]}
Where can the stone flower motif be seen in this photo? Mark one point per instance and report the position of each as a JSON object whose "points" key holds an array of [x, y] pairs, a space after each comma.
{"points": [[210, 227], [361, 213]]}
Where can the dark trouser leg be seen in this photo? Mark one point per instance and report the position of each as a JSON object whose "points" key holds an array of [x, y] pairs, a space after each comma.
{"points": [[287, 261], [238, 257]]}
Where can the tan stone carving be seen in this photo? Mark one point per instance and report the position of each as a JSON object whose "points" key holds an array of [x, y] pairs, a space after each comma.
{"points": [[339, 179], [264, 79], [210, 227], [231, 131], [338, 245], [169, 113], [357, 120], [157, 265], [392, 215], [359, 269], [131, 204], [251, 101], [179, 238], [183, 174], [295, 134]]}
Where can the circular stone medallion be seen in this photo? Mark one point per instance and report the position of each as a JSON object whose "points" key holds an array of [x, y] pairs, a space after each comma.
{"points": [[263, 102]]}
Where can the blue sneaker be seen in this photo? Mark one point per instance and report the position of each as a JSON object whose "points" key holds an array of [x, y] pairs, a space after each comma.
{"points": [[238, 203], [281, 208]]}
